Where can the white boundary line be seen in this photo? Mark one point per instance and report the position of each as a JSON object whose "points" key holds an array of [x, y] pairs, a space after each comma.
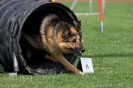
{"points": [[86, 14]]}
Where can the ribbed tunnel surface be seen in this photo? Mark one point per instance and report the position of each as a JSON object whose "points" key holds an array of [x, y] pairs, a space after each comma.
{"points": [[14, 14]]}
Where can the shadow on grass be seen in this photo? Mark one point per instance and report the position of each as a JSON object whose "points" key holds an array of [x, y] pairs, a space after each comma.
{"points": [[109, 55]]}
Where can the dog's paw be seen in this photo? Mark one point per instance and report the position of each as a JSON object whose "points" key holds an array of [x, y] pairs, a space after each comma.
{"points": [[81, 73]]}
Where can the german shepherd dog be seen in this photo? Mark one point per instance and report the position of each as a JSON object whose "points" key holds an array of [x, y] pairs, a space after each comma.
{"points": [[57, 37]]}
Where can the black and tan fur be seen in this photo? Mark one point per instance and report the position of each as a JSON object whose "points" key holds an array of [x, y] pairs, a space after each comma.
{"points": [[57, 37]]}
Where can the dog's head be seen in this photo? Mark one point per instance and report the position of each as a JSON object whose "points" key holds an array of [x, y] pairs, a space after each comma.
{"points": [[72, 40]]}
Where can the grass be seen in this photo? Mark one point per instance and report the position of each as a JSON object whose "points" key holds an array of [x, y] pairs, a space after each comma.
{"points": [[111, 52]]}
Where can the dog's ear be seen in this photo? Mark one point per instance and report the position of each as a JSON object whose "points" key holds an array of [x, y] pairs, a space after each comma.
{"points": [[78, 26], [79, 23], [66, 32]]}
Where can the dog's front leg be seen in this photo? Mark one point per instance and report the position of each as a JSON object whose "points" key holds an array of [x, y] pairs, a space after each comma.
{"points": [[60, 58]]}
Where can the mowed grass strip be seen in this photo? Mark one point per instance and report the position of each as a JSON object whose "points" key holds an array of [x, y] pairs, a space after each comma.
{"points": [[111, 52]]}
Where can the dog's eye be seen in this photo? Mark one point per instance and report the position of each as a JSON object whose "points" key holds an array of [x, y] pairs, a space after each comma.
{"points": [[74, 41]]}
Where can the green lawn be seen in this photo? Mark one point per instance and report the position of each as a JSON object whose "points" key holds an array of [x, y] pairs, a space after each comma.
{"points": [[111, 52]]}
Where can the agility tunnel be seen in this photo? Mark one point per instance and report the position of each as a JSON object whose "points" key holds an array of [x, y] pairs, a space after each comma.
{"points": [[13, 16]]}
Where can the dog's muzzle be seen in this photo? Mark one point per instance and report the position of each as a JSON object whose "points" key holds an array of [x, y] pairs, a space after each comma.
{"points": [[78, 52]]}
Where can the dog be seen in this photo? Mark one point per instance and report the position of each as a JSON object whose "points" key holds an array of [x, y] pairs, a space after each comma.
{"points": [[56, 37]]}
